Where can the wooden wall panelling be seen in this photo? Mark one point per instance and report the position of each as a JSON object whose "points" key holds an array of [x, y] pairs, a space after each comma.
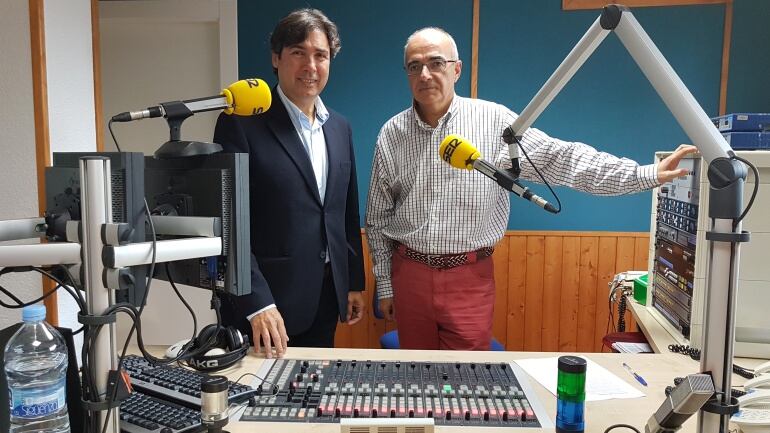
{"points": [[570, 294], [589, 257], [552, 273], [624, 261], [606, 271], [533, 307], [500, 321], [517, 274], [551, 295]]}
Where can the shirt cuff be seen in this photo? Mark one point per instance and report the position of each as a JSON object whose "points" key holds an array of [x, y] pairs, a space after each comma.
{"points": [[647, 176], [260, 311], [384, 289]]}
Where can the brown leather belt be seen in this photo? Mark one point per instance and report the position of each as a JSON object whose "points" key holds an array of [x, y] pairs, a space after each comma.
{"points": [[446, 261]]}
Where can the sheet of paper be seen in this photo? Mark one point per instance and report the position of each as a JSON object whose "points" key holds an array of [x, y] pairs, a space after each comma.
{"points": [[624, 347], [600, 383]]}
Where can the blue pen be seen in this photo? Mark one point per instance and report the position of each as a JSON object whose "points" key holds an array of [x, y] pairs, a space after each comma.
{"points": [[638, 378]]}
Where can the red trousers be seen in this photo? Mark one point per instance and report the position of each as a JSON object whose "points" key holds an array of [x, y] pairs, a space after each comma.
{"points": [[443, 308]]}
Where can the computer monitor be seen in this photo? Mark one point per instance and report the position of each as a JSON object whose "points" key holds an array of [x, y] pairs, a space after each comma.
{"points": [[62, 189], [213, 185]]}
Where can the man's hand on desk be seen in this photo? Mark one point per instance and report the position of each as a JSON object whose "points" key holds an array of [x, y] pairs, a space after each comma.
{"points": [[269, 325], [356, 307]]}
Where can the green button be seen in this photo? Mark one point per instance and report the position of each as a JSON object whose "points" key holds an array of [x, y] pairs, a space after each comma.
{"points": [[448, 388]]}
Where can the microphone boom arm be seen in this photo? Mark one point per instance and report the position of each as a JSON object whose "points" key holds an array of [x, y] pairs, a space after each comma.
{"points": [[726, 176]]}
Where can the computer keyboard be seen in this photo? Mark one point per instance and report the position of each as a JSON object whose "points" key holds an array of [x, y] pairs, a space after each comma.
{"points": [[176, 383], [141, 413]]}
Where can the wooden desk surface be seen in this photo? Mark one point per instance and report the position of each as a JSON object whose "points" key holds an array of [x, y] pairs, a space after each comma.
{"points": [[658, 369]]}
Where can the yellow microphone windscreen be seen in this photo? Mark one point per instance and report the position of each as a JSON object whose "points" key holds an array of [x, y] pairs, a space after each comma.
{"points": [[248, 97], [458, 152]]}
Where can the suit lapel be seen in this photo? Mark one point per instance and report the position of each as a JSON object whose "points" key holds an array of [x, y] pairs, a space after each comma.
{"points": [[334, 153], [284, 130]]}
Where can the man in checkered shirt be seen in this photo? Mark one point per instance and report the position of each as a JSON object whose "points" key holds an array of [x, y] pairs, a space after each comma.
{"points": [[431, 228]]}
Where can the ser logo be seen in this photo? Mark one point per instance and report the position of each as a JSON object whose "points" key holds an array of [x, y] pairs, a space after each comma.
{"points": [[253, 82], [450, 148]]}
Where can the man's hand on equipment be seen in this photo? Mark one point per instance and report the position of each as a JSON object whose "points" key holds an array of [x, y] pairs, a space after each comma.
{"points": [[668, 168], [269, 326], [356, 307], [387, 308]]}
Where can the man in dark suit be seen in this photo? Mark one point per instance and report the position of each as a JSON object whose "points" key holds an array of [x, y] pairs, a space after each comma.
{"points": [[307, 267]]}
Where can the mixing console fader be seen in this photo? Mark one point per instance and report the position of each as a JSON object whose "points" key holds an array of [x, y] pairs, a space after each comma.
{"points": [[459, 394]]}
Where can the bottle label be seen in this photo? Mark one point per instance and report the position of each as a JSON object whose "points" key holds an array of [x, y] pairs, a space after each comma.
{"points": [[26, 403]]}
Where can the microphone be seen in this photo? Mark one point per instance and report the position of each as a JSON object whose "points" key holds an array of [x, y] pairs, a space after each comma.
{"points": [[244, 98], [459, 153], [509, 136]]}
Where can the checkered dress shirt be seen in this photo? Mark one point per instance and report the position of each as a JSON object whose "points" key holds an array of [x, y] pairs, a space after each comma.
{"points": [[418, 200]]}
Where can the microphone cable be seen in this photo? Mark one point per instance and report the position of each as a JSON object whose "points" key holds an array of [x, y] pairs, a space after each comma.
{"points": [[622, 313], [114, 140], [695, 354], [545, 182]]}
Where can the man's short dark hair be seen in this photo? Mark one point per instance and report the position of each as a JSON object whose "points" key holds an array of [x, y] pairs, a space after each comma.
{"points": [[294, 28]]}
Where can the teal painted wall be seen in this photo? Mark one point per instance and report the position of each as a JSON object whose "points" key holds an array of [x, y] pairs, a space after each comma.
{"points": [[608, 104], [748, 85]]}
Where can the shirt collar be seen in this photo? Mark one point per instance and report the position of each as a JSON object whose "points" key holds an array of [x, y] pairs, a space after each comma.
{"points": [[449, 115], [321, 113]]}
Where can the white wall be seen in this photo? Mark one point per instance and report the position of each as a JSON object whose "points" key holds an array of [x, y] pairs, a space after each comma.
{"points": [[153, 52], [202, 34], [69, 63], [71, 116], [71, 112], [18, 184]]}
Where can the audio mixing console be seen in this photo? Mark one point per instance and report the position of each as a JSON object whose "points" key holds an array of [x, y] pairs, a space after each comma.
{"points": [[458, 394]]}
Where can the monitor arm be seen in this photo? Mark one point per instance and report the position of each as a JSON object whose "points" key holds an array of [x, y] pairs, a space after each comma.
{"points": [[726, 176], [95, 244]]}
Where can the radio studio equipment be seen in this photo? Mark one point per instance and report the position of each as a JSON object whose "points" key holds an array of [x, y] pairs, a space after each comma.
{"points": [[244, 98], [686, 399], [675, 243], [231, 344], [459, 153], [96, 228], [726, 174], [484, 394]]}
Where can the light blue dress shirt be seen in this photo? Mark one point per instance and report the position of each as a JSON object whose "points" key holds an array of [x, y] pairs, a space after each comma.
{"points": [[312, 137]]}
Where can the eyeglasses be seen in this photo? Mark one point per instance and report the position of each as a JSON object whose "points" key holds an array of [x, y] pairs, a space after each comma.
{"points": [[434, 65]]}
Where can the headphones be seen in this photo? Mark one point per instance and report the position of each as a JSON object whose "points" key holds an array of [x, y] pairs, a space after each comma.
{"points": [[227, 347]]}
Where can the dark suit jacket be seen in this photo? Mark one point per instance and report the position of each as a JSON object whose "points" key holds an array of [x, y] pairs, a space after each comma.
{"points": [[290, 228]]}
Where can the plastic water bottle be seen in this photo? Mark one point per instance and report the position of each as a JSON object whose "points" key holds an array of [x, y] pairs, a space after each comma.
{"points": [[36, 370]]}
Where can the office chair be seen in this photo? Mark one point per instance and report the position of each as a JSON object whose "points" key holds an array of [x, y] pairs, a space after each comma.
{"points": [[389, 340]]}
